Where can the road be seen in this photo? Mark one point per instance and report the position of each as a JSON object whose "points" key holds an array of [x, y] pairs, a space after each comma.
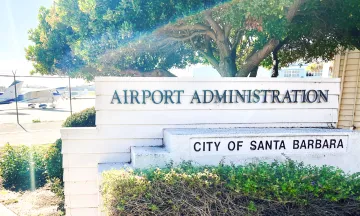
{"points": [[45, 131]]}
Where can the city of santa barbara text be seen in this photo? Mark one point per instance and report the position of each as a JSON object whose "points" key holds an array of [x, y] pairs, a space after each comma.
{"points": [[216, 96], [267, 144]]}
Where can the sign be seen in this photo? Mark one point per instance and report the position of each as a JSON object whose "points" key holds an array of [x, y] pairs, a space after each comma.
{"points": [[216, 96], [268, 145]]}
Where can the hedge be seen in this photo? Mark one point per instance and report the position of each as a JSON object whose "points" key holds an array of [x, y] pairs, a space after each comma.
{"points": [[85, 118], [288, 188]]}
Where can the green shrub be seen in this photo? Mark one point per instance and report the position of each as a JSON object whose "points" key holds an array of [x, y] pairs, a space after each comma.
{"points": [[53, 161], [17, 164], [288, 188], [85, 118]]}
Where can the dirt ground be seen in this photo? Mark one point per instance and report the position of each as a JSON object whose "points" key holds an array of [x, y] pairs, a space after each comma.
{"points": [[31, 203]]}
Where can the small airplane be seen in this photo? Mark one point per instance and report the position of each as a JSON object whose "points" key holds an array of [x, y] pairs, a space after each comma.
{"points": [[8, 96], [41, 97]]}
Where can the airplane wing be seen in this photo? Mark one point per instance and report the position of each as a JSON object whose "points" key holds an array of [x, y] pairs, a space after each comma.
{"points": [[41, 95]]}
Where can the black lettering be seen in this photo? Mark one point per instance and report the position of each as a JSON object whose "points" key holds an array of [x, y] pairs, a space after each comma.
{"points": [[232, 143], [325, 97], [310, 143], [217, 145], [134, 96], [253, 145], [153, 98], [303, 144], [314, 98], [265, 95], [168, 97], [325, 144], [242, 96], [178, 95], [287, 96], [261, 145], [205, 96], [296, 144], [282, 144], [196, 96], [268, 144], [340, 144], [115, 97], [197, 143], [249, 96], [125, 97], [230, 99], [209, 145], [318, 143], [220, 98], [333, 143], [239, 145], [295, 95], [275, 96], [146, 96], [256, 96], [303, 96]]}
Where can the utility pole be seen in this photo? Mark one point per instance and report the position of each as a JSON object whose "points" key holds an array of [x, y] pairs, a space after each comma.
{"points": [[70, 96], [16, 99]]}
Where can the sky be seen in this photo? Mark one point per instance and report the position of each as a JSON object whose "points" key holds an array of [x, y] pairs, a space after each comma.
{"points": [[17, 17]]}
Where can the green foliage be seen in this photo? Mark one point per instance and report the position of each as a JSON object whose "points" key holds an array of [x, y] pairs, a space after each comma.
{"points": [[36, 121], [53, 161], [16, 164], [85, 118], [54, 171], [288, 188], [57, 187]]}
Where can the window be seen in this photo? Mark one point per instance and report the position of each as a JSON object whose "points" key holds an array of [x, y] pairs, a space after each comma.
{"points": [[314, 74], [291, 73]]}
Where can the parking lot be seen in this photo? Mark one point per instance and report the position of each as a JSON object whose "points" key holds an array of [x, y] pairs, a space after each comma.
{"points": [[38, 126]]}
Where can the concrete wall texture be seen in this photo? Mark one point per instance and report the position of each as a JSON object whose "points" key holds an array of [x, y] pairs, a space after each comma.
{"points": [[121, 128]]}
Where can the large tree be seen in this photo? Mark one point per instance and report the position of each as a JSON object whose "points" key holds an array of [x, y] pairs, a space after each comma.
{"points": [[116, 37], [320, 31]]}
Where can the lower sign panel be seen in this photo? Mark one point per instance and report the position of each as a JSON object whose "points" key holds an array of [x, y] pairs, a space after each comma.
{"points": [[268, 145]]}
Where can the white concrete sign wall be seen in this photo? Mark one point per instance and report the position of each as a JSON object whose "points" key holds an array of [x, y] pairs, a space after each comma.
{"points": [[134, 114]]}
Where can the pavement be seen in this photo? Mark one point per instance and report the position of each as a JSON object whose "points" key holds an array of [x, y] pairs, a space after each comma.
{"points": [[5, 211], [37, 126]]}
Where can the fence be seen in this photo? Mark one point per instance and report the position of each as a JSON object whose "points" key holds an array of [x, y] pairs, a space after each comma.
{"points": [[33, 117]]}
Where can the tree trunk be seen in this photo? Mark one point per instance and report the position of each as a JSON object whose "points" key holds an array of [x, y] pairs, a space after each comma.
{"points": [[227, 67], [154, 73], [253, 72], [275, 68], [256, 58]]}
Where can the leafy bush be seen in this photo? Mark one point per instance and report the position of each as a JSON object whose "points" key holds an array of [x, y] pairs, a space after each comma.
{"points": [[85, 118], [288, 188], [53, 161], [18, 165]]}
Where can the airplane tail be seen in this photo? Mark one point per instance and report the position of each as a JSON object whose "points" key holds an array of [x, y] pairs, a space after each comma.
{"points": [[9, 93]]}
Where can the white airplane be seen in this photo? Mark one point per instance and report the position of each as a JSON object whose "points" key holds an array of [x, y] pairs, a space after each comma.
{"points": [[41, 97], [8, 96]]}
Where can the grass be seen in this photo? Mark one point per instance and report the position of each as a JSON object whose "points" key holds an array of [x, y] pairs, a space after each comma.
{"points": [[36, 121]]}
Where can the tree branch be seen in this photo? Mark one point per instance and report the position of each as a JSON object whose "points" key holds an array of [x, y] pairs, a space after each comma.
{"points": [[255, 59], [236, 40], [227, 30], [294, 8], [214, 25], [188, 37], [196, 27], [208, 54]]}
